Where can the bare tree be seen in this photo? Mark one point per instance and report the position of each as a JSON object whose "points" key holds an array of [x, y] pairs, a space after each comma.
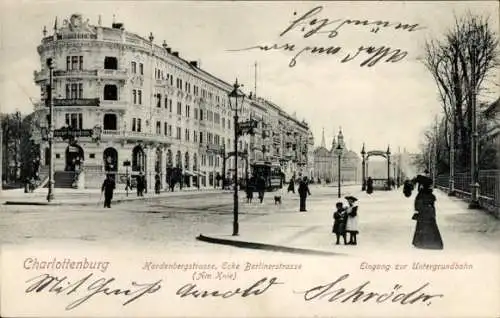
{"points": [[460, 62]]}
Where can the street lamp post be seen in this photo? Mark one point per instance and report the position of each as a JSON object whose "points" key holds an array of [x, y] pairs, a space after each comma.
{"points": [[236, 101], [50, 195], [339, 153], [474, 203], [388, 153], [363, 166]]}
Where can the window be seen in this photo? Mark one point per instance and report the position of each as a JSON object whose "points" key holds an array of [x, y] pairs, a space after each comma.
{"points": [[170, 131], [110, 92], [134, 94], [139, 96], [110, 63], [165, 129], [141, 68], [74, 91], [158, 100], [158, 128], [138, 124], [195, 136], [166, 102], [74, 62], [201, 114], [223, 124], [186, 134], [74, 120], [179, 108], [178, 133], [134, 127], [134, 67], [201, 137], [196, 113], [109, 122], [170, 105], [188, 110]]}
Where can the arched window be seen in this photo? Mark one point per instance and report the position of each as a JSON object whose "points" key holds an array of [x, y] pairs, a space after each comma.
{"points": [[186, 160], [110, 63], [110, 122], [110, 92]]}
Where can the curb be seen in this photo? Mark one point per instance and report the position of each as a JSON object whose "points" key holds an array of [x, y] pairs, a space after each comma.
{"points": [[115, 201], [266, 247]]}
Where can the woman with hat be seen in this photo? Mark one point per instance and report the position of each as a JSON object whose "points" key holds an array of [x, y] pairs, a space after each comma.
{"points": [[352, 219], [427, 233]]}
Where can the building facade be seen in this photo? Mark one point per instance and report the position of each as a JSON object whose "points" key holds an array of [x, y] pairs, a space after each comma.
{"points": [[126, 105], [326, 162]]}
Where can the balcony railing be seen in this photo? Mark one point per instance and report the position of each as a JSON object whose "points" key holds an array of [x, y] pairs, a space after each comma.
{"points": [[115, 104], [113, 74], [75, 73], [76, 102]]}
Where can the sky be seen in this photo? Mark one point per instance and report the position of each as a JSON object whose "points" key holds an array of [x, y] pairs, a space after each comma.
{"points": [[385, 104]]}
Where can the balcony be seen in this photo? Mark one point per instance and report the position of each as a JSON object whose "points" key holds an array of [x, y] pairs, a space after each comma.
{"points": [[61, 102], [160, 83], [41, 76], [113, 74], [114, 104], [108, 134], [75, 73]]}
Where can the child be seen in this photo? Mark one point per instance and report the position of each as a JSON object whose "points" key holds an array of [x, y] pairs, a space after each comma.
{"points": [[339, 225], [352, 220]]}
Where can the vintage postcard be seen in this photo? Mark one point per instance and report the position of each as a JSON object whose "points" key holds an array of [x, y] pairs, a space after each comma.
{"points": [[249, 159]]}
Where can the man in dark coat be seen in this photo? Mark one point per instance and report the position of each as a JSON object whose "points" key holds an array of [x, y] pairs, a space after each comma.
{"points": [[108, 186], [140, 185], [303, 193], [261, 187], [369, 185], [291, 186]]}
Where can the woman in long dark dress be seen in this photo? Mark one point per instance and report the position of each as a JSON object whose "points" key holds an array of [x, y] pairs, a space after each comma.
{"points": [[427, 233]]}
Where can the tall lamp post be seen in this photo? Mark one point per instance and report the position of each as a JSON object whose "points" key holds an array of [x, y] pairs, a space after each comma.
{"points": [[236, 103], [388, 153], [474, 203], [339, 154], [363, 166], [50, 136]]}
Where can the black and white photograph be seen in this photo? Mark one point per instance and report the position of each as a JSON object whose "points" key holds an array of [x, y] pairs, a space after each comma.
{"points": [[225, 158]]}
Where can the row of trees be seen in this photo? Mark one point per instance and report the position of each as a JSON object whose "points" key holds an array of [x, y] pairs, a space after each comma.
{"points": [[462, 64], [18, 149]]}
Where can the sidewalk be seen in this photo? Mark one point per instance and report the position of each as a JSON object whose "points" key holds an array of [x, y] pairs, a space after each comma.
{"points": [[64, 196], [384, 222]]}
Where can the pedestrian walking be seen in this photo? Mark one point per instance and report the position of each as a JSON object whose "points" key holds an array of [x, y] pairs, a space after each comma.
{"points": [[140, 184], [303, 193], [261, 187], [352, 220], [249, 189], [339, 224], [407, 188], [108, 186], [427, 235], [291, 186], [369, 185], [157, 184]]}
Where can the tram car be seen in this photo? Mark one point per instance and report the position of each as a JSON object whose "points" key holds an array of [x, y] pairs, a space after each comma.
{"points": [[271, 172]]}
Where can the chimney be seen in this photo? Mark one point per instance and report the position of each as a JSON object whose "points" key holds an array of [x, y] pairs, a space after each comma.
{"points": [[169, 50], [175, 54], [194, 63], [165, 46], [117, 25]]}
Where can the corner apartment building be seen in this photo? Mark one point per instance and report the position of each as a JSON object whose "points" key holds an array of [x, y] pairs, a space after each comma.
{"points": [[119, 97]]}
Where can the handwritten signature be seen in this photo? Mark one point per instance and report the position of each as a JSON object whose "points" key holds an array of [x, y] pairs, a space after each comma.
{"points": [[309, 25], [334, 292], [90, 286]]}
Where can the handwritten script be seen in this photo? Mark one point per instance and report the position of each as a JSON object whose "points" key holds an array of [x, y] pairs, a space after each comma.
{"points": [[309, 25], [88, 286]]}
